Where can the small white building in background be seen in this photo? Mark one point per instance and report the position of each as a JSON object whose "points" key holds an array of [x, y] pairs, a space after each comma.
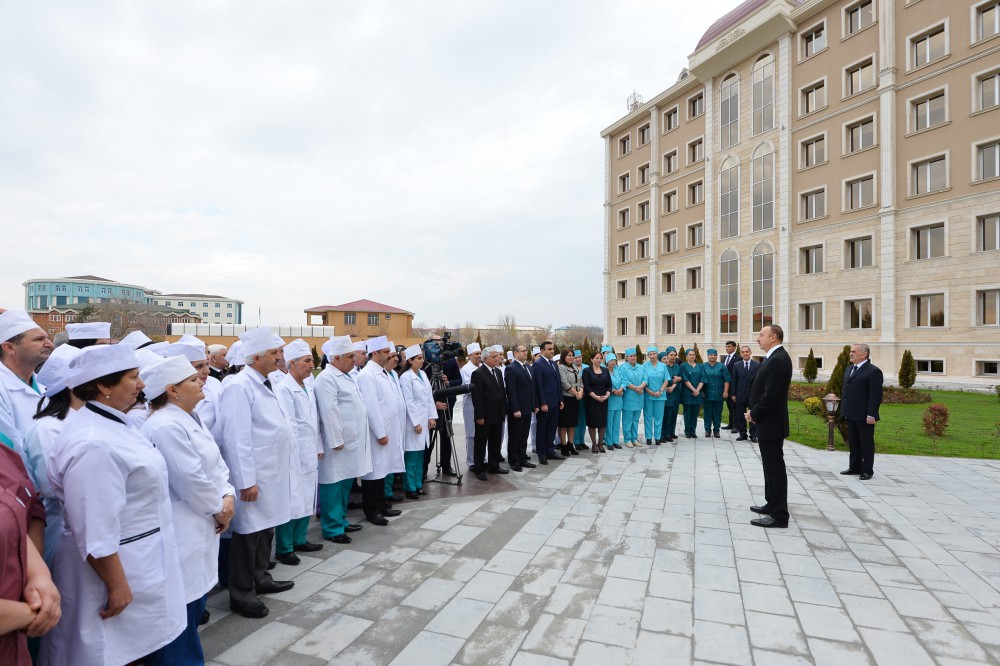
{"points": [[212, 309]]}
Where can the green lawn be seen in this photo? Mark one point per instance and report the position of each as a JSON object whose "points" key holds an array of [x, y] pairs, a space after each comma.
{"points": [[972, 432]]}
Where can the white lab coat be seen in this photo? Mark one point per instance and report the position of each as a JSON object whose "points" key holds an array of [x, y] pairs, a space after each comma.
{"points": [[208, 409], [38, 448], [136, 416], [420, 409], [468, 413], [256, 442], [18, 404], [113, 486], [299, 405], [343, 420], [386, 414], [198, 479]]}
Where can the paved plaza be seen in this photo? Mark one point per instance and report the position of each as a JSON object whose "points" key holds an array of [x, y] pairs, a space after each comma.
{"points": [[647, 557]]}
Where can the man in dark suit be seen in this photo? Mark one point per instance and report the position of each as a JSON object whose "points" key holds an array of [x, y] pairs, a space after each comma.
{"points": [[742, 373], [217, 363], [769, 411], [489, 404], [729, 360], [520, 406], [860, 398], [548, 400]]}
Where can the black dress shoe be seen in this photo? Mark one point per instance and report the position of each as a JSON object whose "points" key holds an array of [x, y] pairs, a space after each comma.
{"points": [[254, 609], [528, 464], [309, 547], [271, 565], [481, 476], [760, 509], [556, 456], [421, 491], [718, 435], [351, 527], [727, 427], [850, 472], [391, 513], [378, 520], [394, 498], [498, 470], [412, 496], [205, 617], [864, 476], [502, 459], [742, 438], [449, 472], [340, 538], [768, 521], [517, 468], [353, 505], [753, 438], [276, 586], [291, 559], [542, 461]]}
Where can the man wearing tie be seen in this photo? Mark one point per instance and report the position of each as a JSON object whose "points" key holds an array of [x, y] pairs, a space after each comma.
{"points": [[860, 398], [520, 406], [739, 392], [489, 402], [730, 360], [769, 410], [548, 399]]}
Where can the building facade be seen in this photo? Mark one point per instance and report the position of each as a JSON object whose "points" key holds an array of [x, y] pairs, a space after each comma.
{"points": [[364, 319], [44, 293], [211, 309], [829, 166]]}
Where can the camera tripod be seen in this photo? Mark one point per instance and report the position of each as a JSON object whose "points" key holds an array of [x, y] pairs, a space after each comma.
{"points": [[439, 385]]}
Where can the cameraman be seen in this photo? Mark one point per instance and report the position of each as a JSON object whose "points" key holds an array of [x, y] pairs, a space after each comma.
{"points": [[453, 376]]}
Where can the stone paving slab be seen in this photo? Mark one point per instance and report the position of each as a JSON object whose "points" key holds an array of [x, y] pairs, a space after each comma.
{"points": [[646, 556]]}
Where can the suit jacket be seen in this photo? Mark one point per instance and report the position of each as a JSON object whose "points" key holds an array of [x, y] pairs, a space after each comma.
{"points": [[218, 374], [769, 395], [489, 398], [739, 386], [548, 385], [861, 394], [520, 389], [733, 360]]}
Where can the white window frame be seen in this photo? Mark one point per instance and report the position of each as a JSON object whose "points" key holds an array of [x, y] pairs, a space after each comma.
{"points": [[664, 274], [913, 164], [638, 246], [812, 86], [620, 293], [641, 325], [625, 182], [687, 152], [911, 109], [979, 221], [845, 264], [872, 60], [975, 9], [977, 98], [621, 325], [845, 134], [675, 109], [663, 242], [802, 204], [977, 319], [912, 229], [701, 277], [978, 370], [845, 21], [810, 139], [687, 234], [667, 209], [677, 162], [663, 321], [648, 211], [805, 32], [737, 82], [802, 248], [642, 173], [942, 361], [688, 105], [689, 185], [910, 295], [628, 253], [976, 146], [628, 217], [857, 177], [641, 286], [627, 137], [845, 324], [687, 321], [822, 314], [648, 127], [926, 32], [774, 95]]}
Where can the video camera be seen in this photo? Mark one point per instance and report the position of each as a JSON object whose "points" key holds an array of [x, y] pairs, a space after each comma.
{"points": [[434, 349]]}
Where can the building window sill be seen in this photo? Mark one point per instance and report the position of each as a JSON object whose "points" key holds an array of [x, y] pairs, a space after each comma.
{"points": [[927, 194], [927, 129], [931, 63], [813, 219], [858, 32], [860, 150]]}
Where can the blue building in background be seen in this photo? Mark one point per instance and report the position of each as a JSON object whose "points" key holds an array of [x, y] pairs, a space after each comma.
{"points": [[43, 294]]}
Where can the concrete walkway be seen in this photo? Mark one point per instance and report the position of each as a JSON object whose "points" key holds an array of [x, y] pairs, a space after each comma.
{"points": [[647, 557]]}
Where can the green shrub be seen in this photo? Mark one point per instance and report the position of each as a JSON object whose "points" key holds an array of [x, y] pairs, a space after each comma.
{"points": [[836, 382], [815, 407], [907, 370], [810, 371]]}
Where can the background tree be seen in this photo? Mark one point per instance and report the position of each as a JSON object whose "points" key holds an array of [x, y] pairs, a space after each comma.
{"points": [[316, 358], [907, 370], [697, 354], [836, 381], [810, 371]]}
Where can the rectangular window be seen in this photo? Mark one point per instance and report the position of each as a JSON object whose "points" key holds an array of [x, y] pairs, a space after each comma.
{"points": [[670, 162], [860, 193], [929, 366], [696, 105], [927, 310], [696, 193], [858, 253], [668, 242], [373, 319], [640, 326], [859, 16], [988, 160], [988, 368], [813, 151], [644, 174], [622, 289], [988, 233], [811, 259], [860, 135], [644, 211], [989, 90], [696, 151], [644, 135], [988, 307], [693, 322], [218, 305], [670, 201], [729, 202], [623, 218], [350, 318], [668, 282], [928, 46], [625, 145], [694, 277], [763, 192], [987, 20], [729, 112], [811, 317], [70, 318], [640, 286], [813, 97], [696, 235], [762, 90], [928, 111], [814, 41], [622, 326], [56, 317], [668, 324], [623, 253], [930, 175], [642, 248], [624, 183], [802, 362], [670, 119], [858, 314], [204, 305], [813, 205], [859, 77]]}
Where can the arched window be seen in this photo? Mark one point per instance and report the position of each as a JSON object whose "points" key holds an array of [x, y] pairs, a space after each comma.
{"points": [[763, 94], [763, 286], [762, 168], [729, 292], [729, 111], [729, 198]]}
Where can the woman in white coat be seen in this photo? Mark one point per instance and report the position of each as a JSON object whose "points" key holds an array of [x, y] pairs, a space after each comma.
{"points": [[421, 418], [200, 494], [116, 565]]}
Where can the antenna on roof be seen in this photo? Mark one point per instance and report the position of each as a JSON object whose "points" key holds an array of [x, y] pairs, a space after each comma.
{"points": [[634, 101]]}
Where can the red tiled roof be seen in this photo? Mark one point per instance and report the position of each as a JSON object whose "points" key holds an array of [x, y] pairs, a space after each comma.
{"points": [[364, 305]]}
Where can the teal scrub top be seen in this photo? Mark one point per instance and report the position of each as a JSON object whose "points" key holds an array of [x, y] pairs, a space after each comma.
{"points": [[654, 375], [674, 397], [634, 375], [616, 402], [695, 375], [716, 378]]}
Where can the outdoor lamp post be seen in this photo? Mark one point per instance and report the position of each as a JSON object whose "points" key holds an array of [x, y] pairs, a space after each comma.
{"points": [[831, 402]]}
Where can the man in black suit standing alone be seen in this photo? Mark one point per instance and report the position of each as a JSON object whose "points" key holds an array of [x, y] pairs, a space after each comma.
{"points": [[860, 398], [769, 411], [548, 400], [730, 360], [520, 406], [742, 373], [489, 404]]}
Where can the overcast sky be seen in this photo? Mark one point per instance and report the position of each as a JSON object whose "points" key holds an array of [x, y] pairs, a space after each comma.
{"points": [[441, 157]]}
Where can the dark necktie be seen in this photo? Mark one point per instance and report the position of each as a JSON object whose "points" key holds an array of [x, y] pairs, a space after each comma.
{"points": [[267, 383], [853, 368], [746, 365]]}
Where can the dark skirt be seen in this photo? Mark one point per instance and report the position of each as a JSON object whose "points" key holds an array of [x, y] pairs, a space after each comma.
{"points": [[597, 413], [570, 413]]}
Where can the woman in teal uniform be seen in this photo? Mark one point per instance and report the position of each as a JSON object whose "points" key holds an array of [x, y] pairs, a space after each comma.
{"points": [[635, 385], [693, 381], [716, 392], [668, 432], [615, 403], [656, 380]]}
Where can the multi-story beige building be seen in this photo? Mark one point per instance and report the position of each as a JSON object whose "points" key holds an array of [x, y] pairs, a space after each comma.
{"points": [[829, 166]]}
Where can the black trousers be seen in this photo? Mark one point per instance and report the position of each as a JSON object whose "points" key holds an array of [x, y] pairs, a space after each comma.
{"points": [[741, 422], [373, 497], [772, 457], [489, 438], [517, 438], [545, 431], [730, 408], [249, 555], [861, 440]]}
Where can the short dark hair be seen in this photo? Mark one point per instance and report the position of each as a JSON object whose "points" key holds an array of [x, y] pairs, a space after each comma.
{"points": [[731, 342], [16, 340], [89, 390], [778, 333], [563, 354], [82, 344], [546, 343]]}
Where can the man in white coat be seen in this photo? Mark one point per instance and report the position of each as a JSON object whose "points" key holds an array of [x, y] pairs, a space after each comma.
{"points": [[299, 404], [23, 347], [474, 352], [386, 415], [343, 421], [360, 357], [256, 443]]}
